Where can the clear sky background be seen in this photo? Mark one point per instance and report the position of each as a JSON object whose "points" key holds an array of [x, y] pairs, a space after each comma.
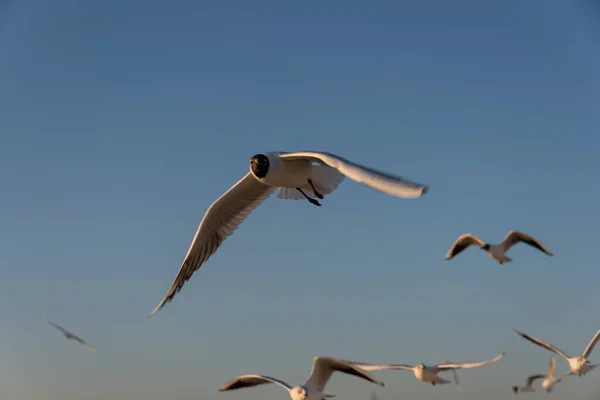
{"points": [[121, 121]]}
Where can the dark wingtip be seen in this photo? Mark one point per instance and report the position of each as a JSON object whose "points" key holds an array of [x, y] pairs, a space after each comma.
{"points": [[425, 190]]}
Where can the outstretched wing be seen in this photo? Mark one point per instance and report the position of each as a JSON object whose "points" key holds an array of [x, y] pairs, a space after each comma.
{"points": [[514, 237], [442, 367], [462, 243], [246, 381], [590, 347], [221, 219], [547, 346], [454, 373], [380, 367], [378, 180], [324, 367], [60, 328]]}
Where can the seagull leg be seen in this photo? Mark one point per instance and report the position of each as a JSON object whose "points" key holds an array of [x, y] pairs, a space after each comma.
{"points": [[313, 201], [319, 195]]}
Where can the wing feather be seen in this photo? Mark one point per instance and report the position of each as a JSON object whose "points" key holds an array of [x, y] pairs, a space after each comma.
{"points": [[221, 219], [590, 347], [382, 181], [324, 367], [547, 346], [442, 367], [462, 243], [514, 237], [246, 381], [379, 367], [532, 378]]}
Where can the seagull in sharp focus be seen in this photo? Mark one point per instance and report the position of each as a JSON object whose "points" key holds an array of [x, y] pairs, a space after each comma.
{"points": [[495, 251], [322, 369], [296, 177], [547, 384], [69, 335], [578, 365], [424, 373]]}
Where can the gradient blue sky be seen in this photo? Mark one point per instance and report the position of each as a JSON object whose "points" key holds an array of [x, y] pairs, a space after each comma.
{"points": [[120, 122]]}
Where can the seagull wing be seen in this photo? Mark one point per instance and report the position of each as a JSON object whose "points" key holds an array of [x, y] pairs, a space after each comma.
{"points": [[60, 328], [590, 347], [380, 367], [220, 221], [87, 346], [246, 381], [542, 344], [324, 367], [378, 180], [462, 243], [532, 378], [442, 367], [552, 367], [514, 237]]}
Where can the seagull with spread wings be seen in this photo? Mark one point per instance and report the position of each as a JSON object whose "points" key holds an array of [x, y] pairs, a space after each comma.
{"points": [[69, 335], [547, 384], [495, 251], [578, 365], [296, 177], [424, 373], [313, 388]]}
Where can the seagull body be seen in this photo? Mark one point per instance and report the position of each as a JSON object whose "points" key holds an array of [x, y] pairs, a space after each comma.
{"points": [[313, 388], [496, 251], [578, 365], [296, 177], [69, 335], [424, 373], [547, 384]]}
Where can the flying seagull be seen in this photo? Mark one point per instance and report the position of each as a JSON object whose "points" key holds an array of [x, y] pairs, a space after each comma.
{"points": [[296, 176], [424, 373], [547, 384], [454, 373], [578, 365], [495, 251], [322, 369], [69, 335]]}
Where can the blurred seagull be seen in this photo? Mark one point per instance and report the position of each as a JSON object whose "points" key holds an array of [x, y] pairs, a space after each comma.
{"points": [[69, 335], [454, 373], [322, 369], [578, 365], [424, 373], [297, 177], [495, 251], [547, 384]]}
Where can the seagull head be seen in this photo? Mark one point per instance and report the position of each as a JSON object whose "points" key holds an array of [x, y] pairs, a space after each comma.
{"points": [[485, 247], [259, 165], [420, 366], [515, 389], [299, 393]]}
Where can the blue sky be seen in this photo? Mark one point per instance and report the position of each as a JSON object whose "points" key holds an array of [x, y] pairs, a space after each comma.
{"points": [[120, 122]]}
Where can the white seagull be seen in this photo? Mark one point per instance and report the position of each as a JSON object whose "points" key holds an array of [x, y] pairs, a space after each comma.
{"points": [[578, 365], [495, 251], [69, 335], [297, 177], [424, 373], [322, 369], [547, 384]]}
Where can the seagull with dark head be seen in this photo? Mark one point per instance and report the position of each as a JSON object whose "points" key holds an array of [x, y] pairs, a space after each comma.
{"points": [[296, 176], [495, 251]]}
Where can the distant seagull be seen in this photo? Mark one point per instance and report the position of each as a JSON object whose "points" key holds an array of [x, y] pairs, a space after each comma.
{"points": [[69, 335], [495, 251], [444, 361], [322, 369], [578, 365], [547, 384], [424, 373], [296, 177]]}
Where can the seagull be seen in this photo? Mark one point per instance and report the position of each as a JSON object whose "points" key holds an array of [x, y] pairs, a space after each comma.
{"points": [[443, 360], [69, 335], [296, 177], [578, 365], [547, 384], [424, 373], [495, 251], [322, 369]]}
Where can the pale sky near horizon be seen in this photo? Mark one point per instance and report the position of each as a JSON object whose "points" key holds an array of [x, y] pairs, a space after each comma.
{"points": [[121, 122]]}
